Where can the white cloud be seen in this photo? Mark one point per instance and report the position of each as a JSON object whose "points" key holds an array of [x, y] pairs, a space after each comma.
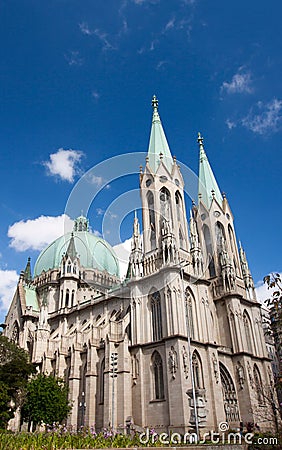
{"points": [[95, 95], [64, 164], [73, 58], [8, 283], [122, 251], [230, 124], [84, 28], [103, 37], [267, 120], [98, 181], [161, 64], [170, 24], [240, 83], [35, 234]]}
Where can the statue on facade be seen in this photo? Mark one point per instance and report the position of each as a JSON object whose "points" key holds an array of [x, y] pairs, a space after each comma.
{"points": [[185, 361], [240, 374], [193, 232], [172, 361], [215, 367], [249, 369]]}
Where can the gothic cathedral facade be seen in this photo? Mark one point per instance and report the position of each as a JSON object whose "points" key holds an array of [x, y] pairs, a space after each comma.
{"points": [[178, 345]]}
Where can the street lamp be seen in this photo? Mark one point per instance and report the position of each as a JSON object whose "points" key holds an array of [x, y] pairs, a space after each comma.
{"points": [[113, 375], [189, 351]]}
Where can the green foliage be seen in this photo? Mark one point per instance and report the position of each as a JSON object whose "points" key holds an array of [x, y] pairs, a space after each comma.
{"points": [[273, 281], [5, 411], [46, 400], [62, 438], [15, 370]]}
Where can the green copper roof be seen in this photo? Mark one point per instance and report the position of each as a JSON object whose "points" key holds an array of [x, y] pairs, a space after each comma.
{"points": [[31, 298], [92, 251], [208, 187], [158, 142]]}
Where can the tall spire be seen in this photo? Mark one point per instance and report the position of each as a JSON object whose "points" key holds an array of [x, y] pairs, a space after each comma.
{"points": [[71, 250], [208, 187], [135, 267], [247, 276], [27, 272], [158, 143]]}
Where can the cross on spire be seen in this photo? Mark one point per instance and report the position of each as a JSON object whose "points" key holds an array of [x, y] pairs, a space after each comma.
{"points": [[200, 140], [155, 103]]}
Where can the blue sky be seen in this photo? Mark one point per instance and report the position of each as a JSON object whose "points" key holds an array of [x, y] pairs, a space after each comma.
{"points": [[77, 78]]}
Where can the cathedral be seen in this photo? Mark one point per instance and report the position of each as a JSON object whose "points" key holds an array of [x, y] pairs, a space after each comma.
{"points": [[177, 345]]}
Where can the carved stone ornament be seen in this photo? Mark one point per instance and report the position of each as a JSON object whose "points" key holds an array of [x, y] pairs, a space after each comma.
{"points": [[240, 374], [215, 368], [185, 360], [250, 374], [172, 361]]}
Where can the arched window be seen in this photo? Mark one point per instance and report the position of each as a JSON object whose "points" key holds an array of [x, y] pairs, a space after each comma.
{"points": [[72, 297], [74, 268], [229, 395], [151, 208], [231, 239], [181, 239], [67, 298], [178, 202], [233, 331], [209, 250], [102, 381], [158, 376], [189, 314], [16, 333], [220, 235], [248, 332], [258, 385], [197, 370], [165, 204], [233, 247], [69, 267], [156, 316]]}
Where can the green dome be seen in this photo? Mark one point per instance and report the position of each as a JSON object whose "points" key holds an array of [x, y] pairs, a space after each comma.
{"points": [[92, 251]]}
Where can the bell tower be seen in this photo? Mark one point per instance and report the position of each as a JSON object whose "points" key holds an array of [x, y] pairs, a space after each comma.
{"points": [[161, 187]]}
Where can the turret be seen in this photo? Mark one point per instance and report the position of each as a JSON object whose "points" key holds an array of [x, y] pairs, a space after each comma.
{"points": [[136, 255], [215, 220], [69, 277], [208, 187], [162, 195], [27, 272], [195, 248], [247, 276]]}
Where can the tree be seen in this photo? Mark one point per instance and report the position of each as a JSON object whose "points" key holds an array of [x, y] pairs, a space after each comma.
{"points": [[274, 282], [46, 400], [15, 370], [5, 410]]}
